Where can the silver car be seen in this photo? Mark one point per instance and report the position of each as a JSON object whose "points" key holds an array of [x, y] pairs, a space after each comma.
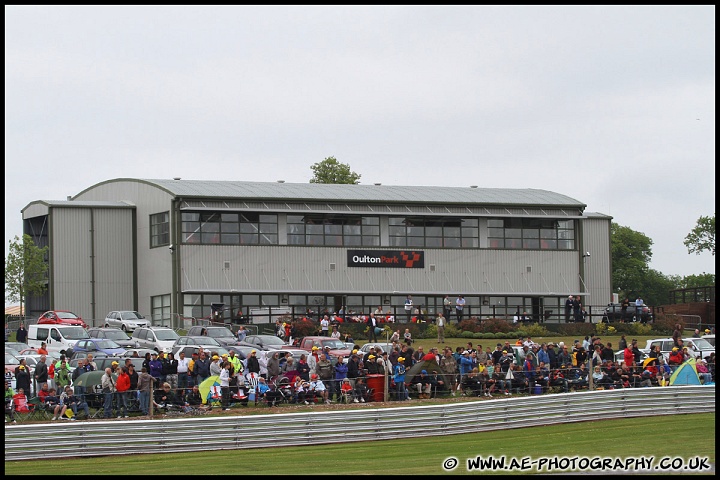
{"points": [[127, 320]]}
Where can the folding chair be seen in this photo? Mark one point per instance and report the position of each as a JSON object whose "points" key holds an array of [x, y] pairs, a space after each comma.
{"points": [[22, 409], [41, 411]]}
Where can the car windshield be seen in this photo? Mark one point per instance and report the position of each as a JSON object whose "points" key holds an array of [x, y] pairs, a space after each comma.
{"points": [[166, 335], [75, 333], [116, 335], [702, 344], [107, 344], [207, 341], [132, 316], [333, 344], [66, 315], [270, 340], [220, 332], [11, 359]]}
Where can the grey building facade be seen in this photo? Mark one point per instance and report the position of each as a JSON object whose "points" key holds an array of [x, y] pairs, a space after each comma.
{"points": [[176, 248]]}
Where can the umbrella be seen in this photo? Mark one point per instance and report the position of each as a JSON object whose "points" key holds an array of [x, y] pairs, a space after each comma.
{"points": [[649, 361], [428, 365], [89, 379], [210, 389]]}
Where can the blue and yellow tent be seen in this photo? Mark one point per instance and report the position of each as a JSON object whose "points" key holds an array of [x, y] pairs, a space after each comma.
{"points": [[686, 374]]}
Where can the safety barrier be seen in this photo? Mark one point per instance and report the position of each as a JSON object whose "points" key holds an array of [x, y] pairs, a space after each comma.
{"points": [[113, 437]]}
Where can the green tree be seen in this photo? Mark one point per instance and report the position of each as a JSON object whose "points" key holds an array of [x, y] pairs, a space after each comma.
{"points": [[702, 237], [25, 270], [695, 281], [332, 171], [630, 252]]}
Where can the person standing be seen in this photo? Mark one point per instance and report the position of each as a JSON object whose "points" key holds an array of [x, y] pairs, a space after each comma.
{"points": [[41, 372], [108, 390], [225, 385], [372, 323], [242, 333], [408, 308], [440, 324], [183, 373], [145, 387], [21, 334], [624, 308], [639, 303], [447, 306], [325, 326], [122, 386], [459, 306], [577, 309], [568, 308]]}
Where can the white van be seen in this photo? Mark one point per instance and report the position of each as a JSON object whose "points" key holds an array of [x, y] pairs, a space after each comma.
{"points": [[57, 338]]}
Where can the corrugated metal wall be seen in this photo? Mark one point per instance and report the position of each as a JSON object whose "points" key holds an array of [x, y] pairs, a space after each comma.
{"points": [[307, 269], [598, 276], [92, 265], [71, 269]]}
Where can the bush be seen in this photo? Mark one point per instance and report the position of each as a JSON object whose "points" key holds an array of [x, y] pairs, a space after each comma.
{"points": [[665, 324], [637, 328], [469, 325], [478, 335], [500, 335], [488, 335], [304, 328], [467, 334], [536, 330], [494, 325]]}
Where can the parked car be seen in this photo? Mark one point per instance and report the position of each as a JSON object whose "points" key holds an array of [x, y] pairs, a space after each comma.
{"points": [[613, 313], [190, 349], [337, 347], [127, 320], [11, 363], [222, 334], [267, 342], [16, 346], [379, 347], [115, 334], [208, 343], [156, 338], [61, 317], [698, 347], [131, 352], [99, 345], [620, 356], [710, 339]]}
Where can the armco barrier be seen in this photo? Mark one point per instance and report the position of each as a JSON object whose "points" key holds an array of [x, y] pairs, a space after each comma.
{"points": [[85, 439]]}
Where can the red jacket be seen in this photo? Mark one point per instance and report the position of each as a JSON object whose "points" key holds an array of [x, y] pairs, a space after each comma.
{"points": [[123, 382], [628, 356]]}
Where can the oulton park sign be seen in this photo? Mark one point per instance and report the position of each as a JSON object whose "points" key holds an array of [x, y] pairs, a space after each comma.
{"points": [[386, 258]]}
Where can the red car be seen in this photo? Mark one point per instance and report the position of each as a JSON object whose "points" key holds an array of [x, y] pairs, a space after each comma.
{"points": [[61, 317]]}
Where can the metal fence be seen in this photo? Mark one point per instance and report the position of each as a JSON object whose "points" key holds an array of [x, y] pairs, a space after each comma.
{"points": [[99, 438]]}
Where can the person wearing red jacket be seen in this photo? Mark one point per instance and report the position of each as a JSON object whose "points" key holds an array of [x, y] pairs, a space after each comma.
{"points": [[629, 357], [123, 386]]}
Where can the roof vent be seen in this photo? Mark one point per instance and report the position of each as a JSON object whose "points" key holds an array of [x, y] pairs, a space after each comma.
{"points": [[69, 197], [176, 178], [281, 181], [378, 184], [473, 186]]}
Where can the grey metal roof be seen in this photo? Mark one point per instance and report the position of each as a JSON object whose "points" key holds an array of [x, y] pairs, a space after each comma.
{"points": [[361, 193]]}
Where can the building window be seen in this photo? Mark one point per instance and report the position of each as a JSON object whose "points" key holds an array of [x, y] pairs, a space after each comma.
{"points": [[247, 228], [333, 230], [531, 234], [161, 309], [433, 232], [159, 229]]}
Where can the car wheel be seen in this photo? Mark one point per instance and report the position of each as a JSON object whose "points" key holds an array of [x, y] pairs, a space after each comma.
{"points": [[107, 325], [124, 328]]}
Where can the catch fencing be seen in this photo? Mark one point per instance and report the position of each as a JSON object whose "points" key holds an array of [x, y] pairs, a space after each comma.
{"points": [[122, 437]]}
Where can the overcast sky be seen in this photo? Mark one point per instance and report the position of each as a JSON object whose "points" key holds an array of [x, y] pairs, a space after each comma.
{"points": [[612, 106]]}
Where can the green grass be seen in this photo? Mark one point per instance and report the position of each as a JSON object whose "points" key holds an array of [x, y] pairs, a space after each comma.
{"points": [[685, 436]]}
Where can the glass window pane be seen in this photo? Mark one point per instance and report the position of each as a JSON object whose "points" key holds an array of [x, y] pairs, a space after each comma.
{"points": [[268, 239], [496, 232], [433, 242], [452, 232], [396, 221], [371, 220], [314, 229], [249, 238], [452, 242], [416, 241], [229, 217], [371, 241], [548, 244], [295, 219], [190, 217], [248, 228], [296, 239], [333, 229], [495, 222], [470, 222], [531, 233], [416, 231], [396, 231], [469, 242], [315, 240], [230, 227], [230, 238], [353, 241], [433, 231], [371, 230], [268, 228], [531, 243], [397, 241], [351, 230], [513, 232], [267, 218]]}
